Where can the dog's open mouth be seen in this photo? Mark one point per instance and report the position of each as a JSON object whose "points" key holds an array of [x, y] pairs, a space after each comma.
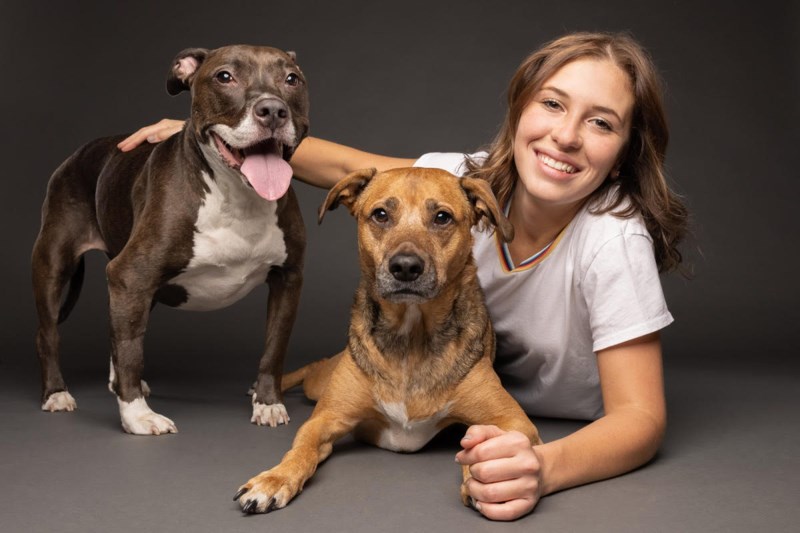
{"points": [[262, 164]]}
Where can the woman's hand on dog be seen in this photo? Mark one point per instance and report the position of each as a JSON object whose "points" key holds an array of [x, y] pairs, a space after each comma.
{"points": [[506, 472], [163, 129]]}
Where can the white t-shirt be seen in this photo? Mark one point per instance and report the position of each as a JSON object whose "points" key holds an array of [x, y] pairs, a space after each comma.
{"points": [[595, 287]]}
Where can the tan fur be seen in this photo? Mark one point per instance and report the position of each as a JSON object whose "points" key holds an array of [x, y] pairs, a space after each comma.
{"points": [[416, 361]]}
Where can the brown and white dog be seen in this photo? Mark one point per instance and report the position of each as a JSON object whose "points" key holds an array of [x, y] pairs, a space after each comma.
{"points": [[195, 222], [421, 345]]}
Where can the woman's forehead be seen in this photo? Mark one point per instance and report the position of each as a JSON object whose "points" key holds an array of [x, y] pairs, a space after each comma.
{"points": [[600, 82]]}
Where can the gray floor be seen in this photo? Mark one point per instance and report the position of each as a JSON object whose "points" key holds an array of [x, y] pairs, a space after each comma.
{"points": [[729, 463]]}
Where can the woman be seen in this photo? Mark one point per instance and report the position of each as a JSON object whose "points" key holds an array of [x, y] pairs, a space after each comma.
{"points": [[575, 298]]}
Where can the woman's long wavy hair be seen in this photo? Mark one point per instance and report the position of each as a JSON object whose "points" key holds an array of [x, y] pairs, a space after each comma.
{"points": [[641, 176]]}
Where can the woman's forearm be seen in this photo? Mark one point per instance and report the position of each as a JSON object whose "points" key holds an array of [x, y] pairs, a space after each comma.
{"points": [[608, 447], [632, 382], [323, 163]]}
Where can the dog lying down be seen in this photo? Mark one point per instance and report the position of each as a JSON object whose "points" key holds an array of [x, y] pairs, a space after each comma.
{"points": [[421, 346]]}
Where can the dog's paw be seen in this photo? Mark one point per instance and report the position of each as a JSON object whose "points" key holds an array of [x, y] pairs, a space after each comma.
{"points": [[137, 418], [59, 401], [267, 492], [269, 415], [466, 499]]}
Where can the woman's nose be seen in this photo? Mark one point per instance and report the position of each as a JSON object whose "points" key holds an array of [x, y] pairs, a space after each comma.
{"points": [[566, 133]]}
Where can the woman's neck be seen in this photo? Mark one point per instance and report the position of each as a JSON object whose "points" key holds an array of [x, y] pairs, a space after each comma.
{"points": [[536, 224]]}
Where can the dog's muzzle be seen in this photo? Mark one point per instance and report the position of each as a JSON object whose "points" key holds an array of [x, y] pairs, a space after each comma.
{"points": [[404, 277]]}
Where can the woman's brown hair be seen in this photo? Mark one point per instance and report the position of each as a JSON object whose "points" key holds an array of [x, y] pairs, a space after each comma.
{"points": [[641, 177]]}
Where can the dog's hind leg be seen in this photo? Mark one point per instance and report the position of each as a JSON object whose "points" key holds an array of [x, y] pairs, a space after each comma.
{"points": [[69, 229], [51, 273], [57, 261]]}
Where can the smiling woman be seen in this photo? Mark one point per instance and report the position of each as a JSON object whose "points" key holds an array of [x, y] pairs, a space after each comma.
{"points": [[575, 298]]}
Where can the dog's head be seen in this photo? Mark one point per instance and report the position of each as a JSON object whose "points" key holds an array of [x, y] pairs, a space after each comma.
{"points": [[249, 110], [414, 227]]}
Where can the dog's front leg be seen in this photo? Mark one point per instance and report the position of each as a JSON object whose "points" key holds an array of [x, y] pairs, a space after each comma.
{"points": [[284, 297], [275, 488], [129, 299]]}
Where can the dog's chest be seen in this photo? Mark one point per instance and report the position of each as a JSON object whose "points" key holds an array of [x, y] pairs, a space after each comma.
{"points": [[404, 434], [236, 241]]}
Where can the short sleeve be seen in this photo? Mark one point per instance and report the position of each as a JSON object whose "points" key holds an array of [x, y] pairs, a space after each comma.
{"points": [[453, 162], [623, 292]]}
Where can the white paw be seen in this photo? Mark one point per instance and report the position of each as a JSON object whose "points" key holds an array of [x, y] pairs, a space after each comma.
{"points": [[269, 415], [59, 401], [139, 419]]}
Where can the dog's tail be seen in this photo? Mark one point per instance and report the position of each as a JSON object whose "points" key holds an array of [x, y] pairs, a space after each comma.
{"points": [[296, 378], [74, 290], [313, 377]]}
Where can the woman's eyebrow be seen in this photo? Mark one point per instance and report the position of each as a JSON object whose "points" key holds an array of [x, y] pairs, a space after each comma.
{"points": [[599, 108]]}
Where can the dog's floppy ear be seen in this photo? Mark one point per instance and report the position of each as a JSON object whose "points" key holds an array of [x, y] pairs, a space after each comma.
{"points": [[183, 69], [346, 191], [486, 207]]}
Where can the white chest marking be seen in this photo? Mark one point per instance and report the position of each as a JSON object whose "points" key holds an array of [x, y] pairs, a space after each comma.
{"points": [[236, 241], [404, 435]]}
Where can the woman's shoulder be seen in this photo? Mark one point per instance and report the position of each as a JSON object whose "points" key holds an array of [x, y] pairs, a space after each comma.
{"points": [[601, 222], [609, 236], [453, 162]]}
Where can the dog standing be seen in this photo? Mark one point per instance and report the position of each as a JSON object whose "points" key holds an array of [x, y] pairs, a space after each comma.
{"points": [[195, 222], [421, 346]]}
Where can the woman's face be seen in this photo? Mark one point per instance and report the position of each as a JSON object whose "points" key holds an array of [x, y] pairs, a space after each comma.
{"points": [[571, 134]]}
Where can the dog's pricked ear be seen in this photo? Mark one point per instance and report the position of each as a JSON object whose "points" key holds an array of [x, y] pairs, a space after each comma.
{"points": [[292, 54], [183, 69], [346, 191], [486, 207]]}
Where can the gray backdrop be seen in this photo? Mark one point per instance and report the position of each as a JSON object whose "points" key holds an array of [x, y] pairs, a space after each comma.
{"points": [[425, 76], [404, 78]]}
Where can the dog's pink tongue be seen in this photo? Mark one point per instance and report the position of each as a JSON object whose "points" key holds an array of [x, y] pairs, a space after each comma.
{"points": [[269, 174]]}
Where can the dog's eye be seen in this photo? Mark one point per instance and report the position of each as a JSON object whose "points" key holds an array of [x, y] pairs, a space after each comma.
{"points": [[442, 218], [380, 216], [224, 76], [292, 79]]}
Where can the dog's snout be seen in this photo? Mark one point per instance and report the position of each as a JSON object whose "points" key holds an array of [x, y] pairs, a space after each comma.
{"points": [[271, 112], [406, 267]]}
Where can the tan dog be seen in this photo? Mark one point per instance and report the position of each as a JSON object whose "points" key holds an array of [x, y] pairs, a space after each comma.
{"points": [[421, 345]]}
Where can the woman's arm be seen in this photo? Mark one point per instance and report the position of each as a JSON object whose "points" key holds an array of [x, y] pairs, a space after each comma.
{"points": [[510, 476], [323, 163], [316, 161]]}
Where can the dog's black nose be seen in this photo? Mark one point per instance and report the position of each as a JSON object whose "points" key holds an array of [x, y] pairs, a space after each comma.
{"points": [[406, 267], [271, 112]]}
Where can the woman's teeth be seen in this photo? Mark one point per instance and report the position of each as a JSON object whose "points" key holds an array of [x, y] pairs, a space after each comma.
{"points": [[558, 165]]}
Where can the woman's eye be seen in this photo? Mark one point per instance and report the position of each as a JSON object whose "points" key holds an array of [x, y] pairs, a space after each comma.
{"points": [[380, 216], [442, 218], [602, 124], [292, 79], [551, 104], [224, 77]]}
